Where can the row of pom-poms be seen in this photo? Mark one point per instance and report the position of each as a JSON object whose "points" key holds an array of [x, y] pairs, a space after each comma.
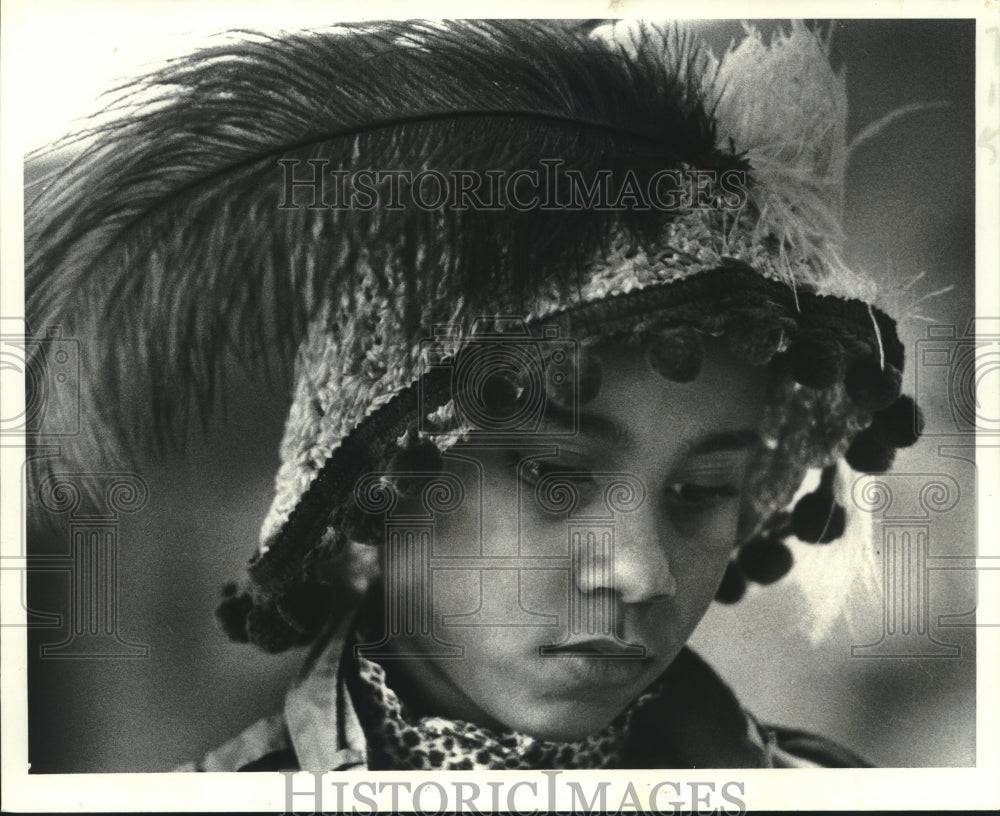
{"points": [[815, 361], [676, 354], [293, 618], [817, 517]]}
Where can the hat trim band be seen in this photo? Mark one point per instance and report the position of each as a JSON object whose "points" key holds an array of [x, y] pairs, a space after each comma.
{"points": [[732, 288]]}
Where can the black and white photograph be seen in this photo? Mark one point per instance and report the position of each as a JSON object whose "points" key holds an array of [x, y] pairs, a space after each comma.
{"points": [[606, 407]]}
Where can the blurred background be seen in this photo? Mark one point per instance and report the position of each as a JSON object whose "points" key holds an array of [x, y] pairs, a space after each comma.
{"points": [[909, 214]]}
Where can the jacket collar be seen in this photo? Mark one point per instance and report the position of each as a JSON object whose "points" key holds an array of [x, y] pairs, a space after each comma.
{"points": [[697, 722], [322, 722]]}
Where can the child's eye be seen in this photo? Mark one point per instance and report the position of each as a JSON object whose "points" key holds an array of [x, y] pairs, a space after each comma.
{"points": [[535, 470], [698, 496], [561, 483]]}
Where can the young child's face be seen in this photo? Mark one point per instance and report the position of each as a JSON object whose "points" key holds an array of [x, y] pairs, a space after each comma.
{"points": [[622, 570]]}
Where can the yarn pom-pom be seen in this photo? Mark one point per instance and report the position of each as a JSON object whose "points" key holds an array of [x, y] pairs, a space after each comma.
{"points": [[677, 354], [754, 338], [869, 452], [359, 526], [733, 585], [422, 456], [268, 630], [818, 519], [498, 396], [231, 613], [816, 362], [321, 562], [901, 424], [764, 560], [579, 385], [870, 386], [305, 607]]}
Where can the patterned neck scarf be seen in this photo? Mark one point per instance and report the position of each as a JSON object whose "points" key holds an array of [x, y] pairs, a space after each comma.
{"points": [[399, 741]]}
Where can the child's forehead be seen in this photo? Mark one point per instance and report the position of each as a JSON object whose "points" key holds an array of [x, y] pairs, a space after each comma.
{"points": [[633, 408], [644, 367]]}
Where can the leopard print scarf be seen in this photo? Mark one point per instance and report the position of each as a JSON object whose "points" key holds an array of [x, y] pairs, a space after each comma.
{"points": [[399, 741]]}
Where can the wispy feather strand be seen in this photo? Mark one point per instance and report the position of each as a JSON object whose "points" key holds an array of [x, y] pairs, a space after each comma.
{"points": [[163, 249]]}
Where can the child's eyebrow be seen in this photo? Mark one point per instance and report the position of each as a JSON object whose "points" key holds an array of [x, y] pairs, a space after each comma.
{"points": [[725, 441], [589, 423], [616, 433]]}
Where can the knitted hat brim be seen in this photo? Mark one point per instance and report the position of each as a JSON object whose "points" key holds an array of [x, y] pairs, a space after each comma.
{"points": [[710, 301]]}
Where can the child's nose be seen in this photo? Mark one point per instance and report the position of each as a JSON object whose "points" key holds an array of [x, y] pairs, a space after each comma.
{"points": [[631, 562]]}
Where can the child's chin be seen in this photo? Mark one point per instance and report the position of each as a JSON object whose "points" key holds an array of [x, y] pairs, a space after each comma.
{"points": [[567, 722]]}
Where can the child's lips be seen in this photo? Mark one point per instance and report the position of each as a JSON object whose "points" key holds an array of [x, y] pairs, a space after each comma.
{"points": [[600, 664], [601, 647]]}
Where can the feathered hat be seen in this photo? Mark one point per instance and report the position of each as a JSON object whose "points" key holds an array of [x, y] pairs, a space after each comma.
{"points": [[198, 226]]}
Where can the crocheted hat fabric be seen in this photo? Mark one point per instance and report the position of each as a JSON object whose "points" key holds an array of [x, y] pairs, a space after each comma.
{"points": [[786, 233], [179, 225]]}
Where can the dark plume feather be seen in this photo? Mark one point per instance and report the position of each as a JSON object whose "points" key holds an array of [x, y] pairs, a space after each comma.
{"points": [[164, 249]]}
